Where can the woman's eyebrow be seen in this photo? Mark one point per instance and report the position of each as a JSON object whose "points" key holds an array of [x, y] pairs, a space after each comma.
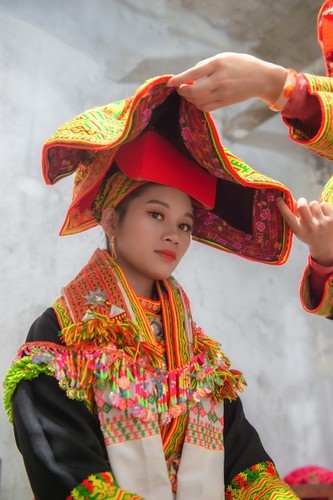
{"points": [[166, 205], [159, 202]]}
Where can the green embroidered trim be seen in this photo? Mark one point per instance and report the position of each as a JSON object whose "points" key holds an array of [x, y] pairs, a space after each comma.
{"points": [[319, 83], [259, 481], [100, 486], [22, 369], [62, 313]]}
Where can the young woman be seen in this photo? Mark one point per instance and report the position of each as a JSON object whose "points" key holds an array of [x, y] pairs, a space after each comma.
{"points": [[306, 103], [117, 393]]}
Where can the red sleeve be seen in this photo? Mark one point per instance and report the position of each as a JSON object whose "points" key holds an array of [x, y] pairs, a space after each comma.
{"points": [[317, 278], [304, 107]]}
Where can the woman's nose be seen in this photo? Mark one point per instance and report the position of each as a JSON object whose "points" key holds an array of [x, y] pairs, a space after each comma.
{"points": [[171, 234]]}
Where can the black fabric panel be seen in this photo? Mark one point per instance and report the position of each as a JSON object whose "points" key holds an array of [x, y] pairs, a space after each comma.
{"points": [[45, 328], [234, 204], [165, 120], [59, 438], [242, 444]]}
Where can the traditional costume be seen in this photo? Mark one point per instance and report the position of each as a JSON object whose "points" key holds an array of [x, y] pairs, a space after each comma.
{"points": [[119, 396], [308, 115]]}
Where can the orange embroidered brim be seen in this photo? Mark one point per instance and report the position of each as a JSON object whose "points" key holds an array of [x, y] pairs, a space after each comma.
{"points": [[245, 219]]}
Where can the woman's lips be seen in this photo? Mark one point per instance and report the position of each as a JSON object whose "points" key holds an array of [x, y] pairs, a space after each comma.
{"points": [[167, 254]]}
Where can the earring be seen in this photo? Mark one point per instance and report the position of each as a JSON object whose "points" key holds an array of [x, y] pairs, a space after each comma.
{"points": [[112, 248]]}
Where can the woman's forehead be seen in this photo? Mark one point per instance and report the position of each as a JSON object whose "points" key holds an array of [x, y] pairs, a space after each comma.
{"points": [[167, 194]]}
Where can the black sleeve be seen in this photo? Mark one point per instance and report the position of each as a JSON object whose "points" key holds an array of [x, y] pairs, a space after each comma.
{"points": [[242, 444], [59, 438], [46, 328]]}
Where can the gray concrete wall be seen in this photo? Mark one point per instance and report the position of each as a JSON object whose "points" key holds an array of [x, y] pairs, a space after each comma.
{"points": [[57, 59]]}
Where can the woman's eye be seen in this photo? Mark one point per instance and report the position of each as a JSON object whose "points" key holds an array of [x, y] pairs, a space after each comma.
{"points": [[186, 227], [156, 215]]}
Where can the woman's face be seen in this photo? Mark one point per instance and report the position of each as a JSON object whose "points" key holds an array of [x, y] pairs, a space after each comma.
{"points": [[153, 236]]}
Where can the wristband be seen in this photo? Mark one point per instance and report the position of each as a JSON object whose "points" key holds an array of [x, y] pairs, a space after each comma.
{"points": [[286, 92]]}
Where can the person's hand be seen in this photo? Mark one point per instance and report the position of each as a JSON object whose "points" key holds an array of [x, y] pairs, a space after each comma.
{"points": [[312, 223], [228, 78]]}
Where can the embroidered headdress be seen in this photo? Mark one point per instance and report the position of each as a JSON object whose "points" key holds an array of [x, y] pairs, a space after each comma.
{"points": [[150, 158], [244, 220]]}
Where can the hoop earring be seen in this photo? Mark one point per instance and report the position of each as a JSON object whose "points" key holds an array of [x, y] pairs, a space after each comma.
{"points": [[112, 248]]}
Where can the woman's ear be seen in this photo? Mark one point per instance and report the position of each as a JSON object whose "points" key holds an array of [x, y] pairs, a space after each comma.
{"points": [[109, 221]]}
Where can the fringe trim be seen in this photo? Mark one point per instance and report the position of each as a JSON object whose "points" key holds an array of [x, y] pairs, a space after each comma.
{"points": [[98, 330], [79, 370]]}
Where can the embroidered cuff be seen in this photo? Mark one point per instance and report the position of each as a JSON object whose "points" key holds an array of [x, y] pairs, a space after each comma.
{"points": [[325, 306], [259, 481], [101, 486], [315, 134]]}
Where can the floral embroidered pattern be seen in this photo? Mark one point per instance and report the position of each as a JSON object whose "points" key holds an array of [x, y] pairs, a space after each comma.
{"points": [[100, 486], [259, 482], [266, 239]]}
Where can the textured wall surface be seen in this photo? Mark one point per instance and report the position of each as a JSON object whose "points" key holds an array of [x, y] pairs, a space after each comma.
{"points": [[60, 58]]}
